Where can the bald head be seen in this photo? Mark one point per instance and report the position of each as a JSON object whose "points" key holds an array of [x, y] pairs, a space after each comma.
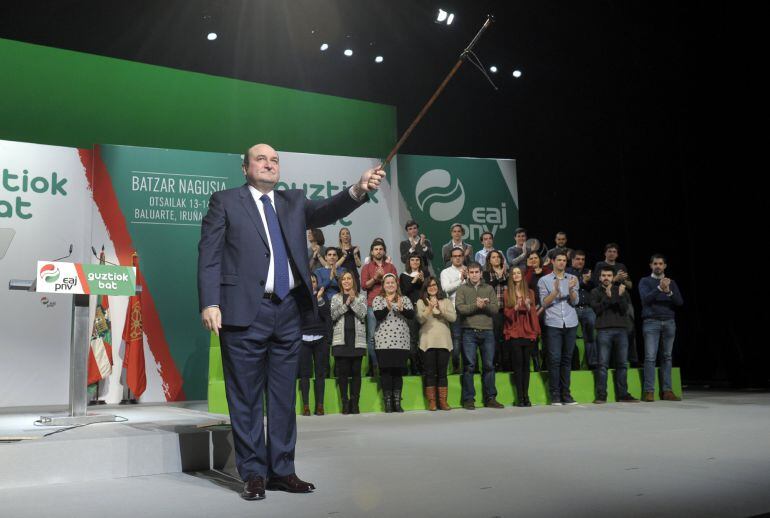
{"points": [[261, 167]]}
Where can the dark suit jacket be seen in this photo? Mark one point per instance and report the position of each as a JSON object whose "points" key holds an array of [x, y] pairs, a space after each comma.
{"points": [[234, 256]]}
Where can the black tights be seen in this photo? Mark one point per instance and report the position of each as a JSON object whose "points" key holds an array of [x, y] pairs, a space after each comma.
{"points": [[348, 367], [521, 368], [315, 352], [435, 362], [391, 378]]}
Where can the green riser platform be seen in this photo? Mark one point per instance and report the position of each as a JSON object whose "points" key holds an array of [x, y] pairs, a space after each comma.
{"points": [[582, 386]]}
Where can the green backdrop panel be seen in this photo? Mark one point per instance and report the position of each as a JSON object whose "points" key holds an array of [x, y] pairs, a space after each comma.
{"points": [[61, 97]]}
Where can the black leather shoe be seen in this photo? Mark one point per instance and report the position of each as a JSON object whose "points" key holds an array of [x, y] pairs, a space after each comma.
{"points": [[254, 489], [290, 483]]}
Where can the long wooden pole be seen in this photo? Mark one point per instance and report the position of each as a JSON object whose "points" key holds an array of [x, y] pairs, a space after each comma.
{"points": [[438, 91]]}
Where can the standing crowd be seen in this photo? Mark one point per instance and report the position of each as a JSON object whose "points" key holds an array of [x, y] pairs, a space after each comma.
{"points": [[514, 309]]}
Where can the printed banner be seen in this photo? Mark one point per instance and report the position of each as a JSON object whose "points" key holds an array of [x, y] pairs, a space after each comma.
{"points": [[89, 279], [480, 194]]}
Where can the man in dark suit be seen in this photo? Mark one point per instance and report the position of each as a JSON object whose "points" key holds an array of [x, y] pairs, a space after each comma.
{"points": [[253, 285]]}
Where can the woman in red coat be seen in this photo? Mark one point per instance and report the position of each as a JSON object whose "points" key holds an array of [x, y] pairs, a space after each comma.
{"points": [[521, 330]]}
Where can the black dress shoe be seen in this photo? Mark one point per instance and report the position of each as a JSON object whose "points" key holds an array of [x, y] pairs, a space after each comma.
{"points": [[290, 483], [254, 489]]}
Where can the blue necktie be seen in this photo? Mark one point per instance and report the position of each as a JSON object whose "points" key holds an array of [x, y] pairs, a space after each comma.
{"points": [[280, 259]]}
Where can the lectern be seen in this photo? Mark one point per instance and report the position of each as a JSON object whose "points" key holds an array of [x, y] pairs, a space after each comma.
{"points": [[79, 281]]}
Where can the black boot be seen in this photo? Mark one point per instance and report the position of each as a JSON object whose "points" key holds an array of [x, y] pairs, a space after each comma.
{"points": [[397, 401], [355, 393], [345, 406], [387, 398]]}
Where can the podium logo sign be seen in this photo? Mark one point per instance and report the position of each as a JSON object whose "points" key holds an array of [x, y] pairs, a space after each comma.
{"points": [[88, 279]]}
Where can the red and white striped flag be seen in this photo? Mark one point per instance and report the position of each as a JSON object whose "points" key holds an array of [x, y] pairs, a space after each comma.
{"points": [[133, 343]]}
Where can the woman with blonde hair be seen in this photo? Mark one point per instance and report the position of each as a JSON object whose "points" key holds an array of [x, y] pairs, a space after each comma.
{"points": [[348, 312], [521, 330], [391, 339], [350, 255]]}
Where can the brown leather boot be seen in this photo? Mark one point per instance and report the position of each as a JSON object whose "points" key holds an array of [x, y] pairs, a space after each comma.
{"points": [[648, 397], [305, 409], [442, 394], [669, 396], [319, 409], [430, 395]]}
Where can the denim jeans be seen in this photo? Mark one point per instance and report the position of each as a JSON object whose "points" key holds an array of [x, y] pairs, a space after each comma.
{"points": [[485, 341], [608, 339], [587, 319], [560, 343], [658, 332], [371, 326]]}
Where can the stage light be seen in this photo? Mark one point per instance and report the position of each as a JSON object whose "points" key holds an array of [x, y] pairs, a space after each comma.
{"points": [[348, 52], [324, 46], [211, 36], [378, 59], [444, 16], [493, 69], [517, 74]]}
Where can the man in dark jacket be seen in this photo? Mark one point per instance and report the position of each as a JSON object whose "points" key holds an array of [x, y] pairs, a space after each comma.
{"points": [[610, 303], [660, 296]]}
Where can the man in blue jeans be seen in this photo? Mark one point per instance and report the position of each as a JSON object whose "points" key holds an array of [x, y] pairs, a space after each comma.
{"points": [[558, 296], [476, 302], [610, 302], [452, 277], [660, 296], [585, 313]]}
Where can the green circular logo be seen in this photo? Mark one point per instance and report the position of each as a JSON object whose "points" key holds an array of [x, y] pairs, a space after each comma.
{"points": [[440, 195]]}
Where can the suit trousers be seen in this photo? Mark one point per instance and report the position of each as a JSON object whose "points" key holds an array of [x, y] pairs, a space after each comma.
{"points": [[260, 366]]}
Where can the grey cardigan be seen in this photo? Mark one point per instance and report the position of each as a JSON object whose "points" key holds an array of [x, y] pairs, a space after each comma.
{"points": [[338, 310]]}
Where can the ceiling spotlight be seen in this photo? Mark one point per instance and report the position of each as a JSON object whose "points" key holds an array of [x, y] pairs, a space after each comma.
{"points": [[211, 36], [324, 46], [348, 52], [444, 16], [493, 69], [517, 74], [378, 59]]}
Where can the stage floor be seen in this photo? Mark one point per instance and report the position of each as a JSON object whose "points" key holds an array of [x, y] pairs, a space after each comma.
{"points": [[706, 456]]}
